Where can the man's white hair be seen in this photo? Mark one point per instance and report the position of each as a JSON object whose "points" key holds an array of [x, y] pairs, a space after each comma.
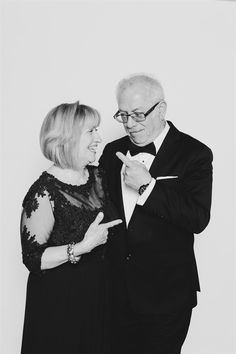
{"points": [[147, 80]]}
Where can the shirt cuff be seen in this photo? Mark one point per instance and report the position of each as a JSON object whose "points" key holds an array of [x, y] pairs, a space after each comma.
{"points": [[142, 199]]}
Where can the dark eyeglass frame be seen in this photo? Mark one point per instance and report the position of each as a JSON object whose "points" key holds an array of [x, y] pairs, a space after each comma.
{"points": [[133, 113]]}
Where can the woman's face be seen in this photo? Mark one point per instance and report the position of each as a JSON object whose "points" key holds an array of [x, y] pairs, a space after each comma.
{"points": [[88, 143]]}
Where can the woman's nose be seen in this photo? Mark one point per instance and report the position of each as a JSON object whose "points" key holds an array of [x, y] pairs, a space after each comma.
{"points": [[97, 137]]}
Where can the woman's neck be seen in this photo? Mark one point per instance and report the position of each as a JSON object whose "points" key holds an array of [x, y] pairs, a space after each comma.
{"points": [[69, 176]]}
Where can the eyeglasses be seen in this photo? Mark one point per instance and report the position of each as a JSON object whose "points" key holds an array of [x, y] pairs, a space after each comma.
{"points": [[122, 117]]}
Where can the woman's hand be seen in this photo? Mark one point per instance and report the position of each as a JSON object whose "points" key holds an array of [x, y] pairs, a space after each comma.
{"points": [[96, 235]]}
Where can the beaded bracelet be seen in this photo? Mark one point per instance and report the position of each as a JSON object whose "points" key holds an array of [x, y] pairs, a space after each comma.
{"points": [[70, 253]]}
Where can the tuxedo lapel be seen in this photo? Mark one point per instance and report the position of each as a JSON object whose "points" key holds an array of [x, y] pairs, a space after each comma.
{"points": [[123, 147], [166, 151]]}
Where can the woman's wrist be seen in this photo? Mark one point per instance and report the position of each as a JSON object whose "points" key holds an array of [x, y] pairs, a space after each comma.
{"points": [[81, 248]]}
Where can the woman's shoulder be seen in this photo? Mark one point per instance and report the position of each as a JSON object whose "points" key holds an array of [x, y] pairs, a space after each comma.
{"points": [[39, 189]]}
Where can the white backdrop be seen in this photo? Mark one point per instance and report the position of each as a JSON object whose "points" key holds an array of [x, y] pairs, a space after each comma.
{"points": [[56, 52]]}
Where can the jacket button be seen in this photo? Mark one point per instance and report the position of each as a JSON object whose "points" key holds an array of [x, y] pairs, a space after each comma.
{"points": [[128, 257]]}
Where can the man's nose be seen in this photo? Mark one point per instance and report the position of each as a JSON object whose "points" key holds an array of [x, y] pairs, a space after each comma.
{"points": [[130, 122]]}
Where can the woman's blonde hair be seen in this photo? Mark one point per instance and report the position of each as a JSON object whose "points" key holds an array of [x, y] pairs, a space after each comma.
{"points": [[61, 130]]}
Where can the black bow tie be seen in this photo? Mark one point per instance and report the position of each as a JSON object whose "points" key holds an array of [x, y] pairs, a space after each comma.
{"points": [[149, 149]]}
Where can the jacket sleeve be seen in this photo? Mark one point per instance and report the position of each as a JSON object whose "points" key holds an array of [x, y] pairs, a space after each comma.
{"points": [[185, 202]]}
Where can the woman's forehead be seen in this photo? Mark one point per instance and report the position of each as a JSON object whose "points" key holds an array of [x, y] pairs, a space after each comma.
{"points": [[91, 122]]}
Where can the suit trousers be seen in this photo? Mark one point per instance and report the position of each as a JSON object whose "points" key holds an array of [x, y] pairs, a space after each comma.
{"points": [[149, 334]]}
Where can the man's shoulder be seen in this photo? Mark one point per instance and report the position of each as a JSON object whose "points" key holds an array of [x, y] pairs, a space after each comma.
{"points": [[187, 144], [194, 144], [190, 142], [118, 143], [108, 157]]}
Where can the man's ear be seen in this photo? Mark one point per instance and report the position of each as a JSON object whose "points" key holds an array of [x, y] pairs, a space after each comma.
{"points": [[162, 109]]}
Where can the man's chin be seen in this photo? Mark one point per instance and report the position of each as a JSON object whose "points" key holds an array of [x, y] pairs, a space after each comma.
{"points": [[136, 141]]}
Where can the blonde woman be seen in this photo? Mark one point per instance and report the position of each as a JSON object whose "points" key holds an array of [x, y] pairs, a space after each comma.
{"points": [[64, 227]]}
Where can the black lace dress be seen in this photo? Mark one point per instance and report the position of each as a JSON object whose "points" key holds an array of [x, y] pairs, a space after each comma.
{"points": [[67, 307]]}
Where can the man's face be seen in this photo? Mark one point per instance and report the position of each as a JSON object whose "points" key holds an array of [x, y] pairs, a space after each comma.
{"points": [[137, 98]]}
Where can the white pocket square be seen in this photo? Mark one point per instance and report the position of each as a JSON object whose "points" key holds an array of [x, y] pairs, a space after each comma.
{"points": [[166, 177]]}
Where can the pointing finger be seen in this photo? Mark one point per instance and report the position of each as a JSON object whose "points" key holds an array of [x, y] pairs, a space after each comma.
{"points": [[124, 159], [112, 223]]}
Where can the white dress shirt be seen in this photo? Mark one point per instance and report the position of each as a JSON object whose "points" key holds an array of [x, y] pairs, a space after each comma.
{"points": [[130, 196]]}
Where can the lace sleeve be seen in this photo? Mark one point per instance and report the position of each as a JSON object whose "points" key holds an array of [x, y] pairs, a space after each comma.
{"points": [[37, 221]]}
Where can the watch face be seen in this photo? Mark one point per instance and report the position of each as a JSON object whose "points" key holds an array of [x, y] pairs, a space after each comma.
{"points": [[142, 188]]}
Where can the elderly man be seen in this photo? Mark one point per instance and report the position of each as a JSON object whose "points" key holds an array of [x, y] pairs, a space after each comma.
{"points": [[160, 180]]}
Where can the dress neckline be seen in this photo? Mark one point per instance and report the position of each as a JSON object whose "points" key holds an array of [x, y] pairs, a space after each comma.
{"points": [[74, 186]]}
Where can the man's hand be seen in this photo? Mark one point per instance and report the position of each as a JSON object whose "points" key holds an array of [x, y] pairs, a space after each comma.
{"points": [[135, 173]]}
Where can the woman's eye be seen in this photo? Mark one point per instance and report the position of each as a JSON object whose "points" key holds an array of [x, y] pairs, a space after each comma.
{"points": [[93, 130]]}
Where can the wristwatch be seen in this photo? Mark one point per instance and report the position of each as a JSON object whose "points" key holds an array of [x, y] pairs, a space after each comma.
{"points": [[143, 188]]}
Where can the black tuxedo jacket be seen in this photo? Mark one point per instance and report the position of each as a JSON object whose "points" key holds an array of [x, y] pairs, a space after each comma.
{"points": [[153, 259]]}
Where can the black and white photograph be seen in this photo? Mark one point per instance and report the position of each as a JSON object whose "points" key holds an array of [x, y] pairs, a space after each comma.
{"points": [[118, 177]]}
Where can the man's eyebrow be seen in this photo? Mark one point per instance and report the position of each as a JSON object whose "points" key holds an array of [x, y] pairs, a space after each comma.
{"points": [[122, 111], [137, 109], [133, 110]]}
